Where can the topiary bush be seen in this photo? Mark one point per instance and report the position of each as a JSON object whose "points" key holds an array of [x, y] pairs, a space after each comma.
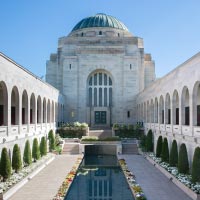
{"points": [[196, 166], [16, 159], [165, 151], [143, 142], [173, 157], [35, 150], [149, 141], [5, 165], [27, 158], [183, 164], [51, 138], [43, 147], [159, 146]]}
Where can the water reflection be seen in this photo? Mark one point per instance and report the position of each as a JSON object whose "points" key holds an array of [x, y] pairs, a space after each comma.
{"points": [[99, 178]]}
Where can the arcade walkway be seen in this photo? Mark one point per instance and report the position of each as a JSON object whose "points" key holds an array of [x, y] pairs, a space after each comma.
{"points": [[155, 185]]}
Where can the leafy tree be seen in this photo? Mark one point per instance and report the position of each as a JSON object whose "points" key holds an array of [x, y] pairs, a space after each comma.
{"points": [[165, 151], [173, 158], [43, 147], [5, 165], [27, 158], [51, 138], [16, 159], [196, 166], [183, 164], [159, 146], [149, 141], [35, 150]]}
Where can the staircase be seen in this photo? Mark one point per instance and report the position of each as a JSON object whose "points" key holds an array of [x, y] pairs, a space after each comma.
{"points": [[70, 148], [100, 133], [129, 148]]}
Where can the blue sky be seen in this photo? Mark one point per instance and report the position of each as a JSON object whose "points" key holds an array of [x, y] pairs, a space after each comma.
{"points": [[29, 30]]}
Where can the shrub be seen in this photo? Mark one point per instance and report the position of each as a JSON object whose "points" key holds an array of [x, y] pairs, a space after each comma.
{"points": [[183, 164], [16, 159], [173, 158], [43, 147], [165, 151], [149, 141], [51, 138], [196, 166], [27, 158], [5, 165], [35, 150], [159, 146], [143, 142]]}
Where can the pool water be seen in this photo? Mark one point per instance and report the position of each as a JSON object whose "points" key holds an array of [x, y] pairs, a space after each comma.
{"points": [[99, 178]]}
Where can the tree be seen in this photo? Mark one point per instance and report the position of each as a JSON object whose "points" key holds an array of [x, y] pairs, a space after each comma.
{"points": [[165, 151], [149, 141], [43, 147], [35, 150], [5, 165], [27, 158], [143, 142], [16, 159], [173, 158], [183, 164], [51, 138], [196, 166], [159, 146]]}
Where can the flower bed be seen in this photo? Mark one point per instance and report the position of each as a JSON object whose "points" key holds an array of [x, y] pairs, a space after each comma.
{"points": [[18, 177], [136, 189], [68, 181], [181, 180]]}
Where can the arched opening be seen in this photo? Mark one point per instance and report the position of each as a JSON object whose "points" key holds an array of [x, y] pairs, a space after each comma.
{"points": [[44, 111], [175, 108], [156, 110], [52, 112], [148, 112], [39, 110], [185, 107], [196, 104], [161, 110], [152, 112], [145, 112], [3, 104], [32, 109], [15, 106], [24, 107], [167, 109], [48, 112]]}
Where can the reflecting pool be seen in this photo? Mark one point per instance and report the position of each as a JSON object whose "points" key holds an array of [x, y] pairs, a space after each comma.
{"points": [[99, 178]]}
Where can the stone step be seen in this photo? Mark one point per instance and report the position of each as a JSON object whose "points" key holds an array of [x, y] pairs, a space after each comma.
{"points": [[129, 149], [70, 149], [101, 133]]}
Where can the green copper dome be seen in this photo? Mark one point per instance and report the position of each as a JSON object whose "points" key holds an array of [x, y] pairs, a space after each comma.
{"points": [[100, 20]]}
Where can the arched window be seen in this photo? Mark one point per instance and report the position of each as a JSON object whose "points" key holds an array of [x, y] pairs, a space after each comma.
{"points": [[3, 104], [15, 106], [175, 108], [161, 110], [185, 107], [24, 107], [168, 109], [99, 90], [32, 109], [39, 109], [44, 111]]}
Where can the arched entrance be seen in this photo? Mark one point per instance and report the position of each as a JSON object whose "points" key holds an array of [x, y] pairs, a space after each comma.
{"points": [[99, 102]]}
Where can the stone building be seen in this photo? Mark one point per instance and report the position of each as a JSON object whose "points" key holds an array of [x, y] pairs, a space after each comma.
{"points": [[100, 67]]}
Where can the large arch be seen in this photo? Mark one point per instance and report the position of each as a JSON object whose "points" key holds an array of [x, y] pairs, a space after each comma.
{"points": [[3, 104], [24, 107], [156, 110], [145, 112], [32, 108], [196, 104], [15, 106], [39, 109], [167, 109], [44, 110], [161, 110], [175, 107], [48, 111], [152, 112], [148, 112], [185, 108], [52, 112]]}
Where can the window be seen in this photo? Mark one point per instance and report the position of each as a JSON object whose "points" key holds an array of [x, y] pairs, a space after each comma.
{"points": [[100, 32], [128, 114], [118, 35], [81, 34], [70, 66], [130, 66]]}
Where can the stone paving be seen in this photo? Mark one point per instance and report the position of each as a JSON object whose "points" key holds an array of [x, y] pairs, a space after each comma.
{"points": [[45, 184], [155, 185]]}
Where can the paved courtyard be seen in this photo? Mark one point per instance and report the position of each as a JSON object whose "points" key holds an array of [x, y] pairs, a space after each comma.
{"points": [[155, 185], [45, 184]]}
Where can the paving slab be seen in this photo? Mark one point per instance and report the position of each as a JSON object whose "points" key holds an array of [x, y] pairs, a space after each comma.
{"points": [[155, 185], [45, 184]]}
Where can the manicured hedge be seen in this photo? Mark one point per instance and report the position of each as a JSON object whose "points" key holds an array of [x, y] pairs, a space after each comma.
{"points": [[159, 146], [27, 158], [196, 166], [43, 147], [149, 141], [16, 158], [183, 164], [165, 151], [173, 158], [51, 138], [5, 165], [35, 150]]}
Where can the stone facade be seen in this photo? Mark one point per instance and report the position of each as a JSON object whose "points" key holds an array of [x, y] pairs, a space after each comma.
{"points": [[29, 107], [100, 51], [171, 106]]}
